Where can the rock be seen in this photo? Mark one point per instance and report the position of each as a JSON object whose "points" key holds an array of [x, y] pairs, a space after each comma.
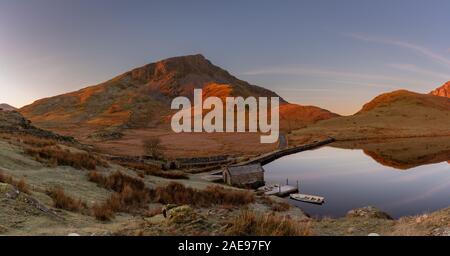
{"points": [[420, 219], [12, 193], [181, 214], [167, 208], [73, 234], [369, 212], [444, 231], [373, 234], [14, 122]]}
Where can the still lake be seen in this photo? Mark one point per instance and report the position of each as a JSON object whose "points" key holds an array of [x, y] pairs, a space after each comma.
{"points": [[349, 179]]}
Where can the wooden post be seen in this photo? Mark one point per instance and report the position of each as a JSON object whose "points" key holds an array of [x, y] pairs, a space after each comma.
{"points": [[298, 188]]}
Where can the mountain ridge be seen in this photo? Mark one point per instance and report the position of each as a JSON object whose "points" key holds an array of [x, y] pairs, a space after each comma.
{"points": [[443, 91], [141, 97], [7, 107]]}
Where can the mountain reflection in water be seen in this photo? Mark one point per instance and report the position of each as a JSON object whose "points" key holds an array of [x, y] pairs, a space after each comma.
{"points": [[401, 177]]}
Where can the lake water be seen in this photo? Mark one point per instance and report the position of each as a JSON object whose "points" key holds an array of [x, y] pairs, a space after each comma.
{"points": [[350, 179]]}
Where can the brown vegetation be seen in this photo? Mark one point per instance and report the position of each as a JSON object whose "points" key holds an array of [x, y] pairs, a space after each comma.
{"points": [[132, 195], [176, 193], [56, 156], [21, 184], [251, 224], [152, 147], [63, 201], [275, 205], [117, 181], [35, 141], [155, 170]]}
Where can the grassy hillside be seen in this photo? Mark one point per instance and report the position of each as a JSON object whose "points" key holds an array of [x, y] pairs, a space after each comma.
{"points": [[396, 114]]}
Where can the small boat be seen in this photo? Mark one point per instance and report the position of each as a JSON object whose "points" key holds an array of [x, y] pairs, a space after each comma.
{"points": [[308, 198]]}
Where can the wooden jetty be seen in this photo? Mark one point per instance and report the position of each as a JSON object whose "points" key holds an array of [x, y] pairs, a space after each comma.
{"points": [[308, 198], [278, 190]]}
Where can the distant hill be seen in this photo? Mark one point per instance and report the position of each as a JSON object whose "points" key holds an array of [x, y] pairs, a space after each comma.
{"points": [[396, 114], [141, 97], [13, 122], [6, 107], [443, 91]]}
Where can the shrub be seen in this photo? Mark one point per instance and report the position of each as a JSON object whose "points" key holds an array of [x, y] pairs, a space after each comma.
{"points": [[152, 147], [117, 181], [36, 141], [21, 184], [249, 223], [130, 194], [103, 212], [63, 201], [280, 207], [57, 156], [275, 205], [175, 193], [128, 200], [155, 170]]}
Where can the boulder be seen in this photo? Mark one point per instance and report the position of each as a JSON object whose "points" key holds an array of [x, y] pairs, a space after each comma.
{"points": [[368, 212]]}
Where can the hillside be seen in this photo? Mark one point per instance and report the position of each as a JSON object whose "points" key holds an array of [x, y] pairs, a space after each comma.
{"points": [[50, 186], [396, 114], [127, 109], [6, 107], [138, 98]]}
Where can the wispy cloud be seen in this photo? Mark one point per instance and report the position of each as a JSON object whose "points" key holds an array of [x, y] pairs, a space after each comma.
{"points": [[370, 80], [406, 45], [415, 69]]}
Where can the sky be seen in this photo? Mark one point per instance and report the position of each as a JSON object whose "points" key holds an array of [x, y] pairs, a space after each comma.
{"points": [[333, 54]]}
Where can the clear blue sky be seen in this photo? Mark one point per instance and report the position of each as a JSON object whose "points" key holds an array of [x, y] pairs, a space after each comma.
{"points": [[334, 54]]}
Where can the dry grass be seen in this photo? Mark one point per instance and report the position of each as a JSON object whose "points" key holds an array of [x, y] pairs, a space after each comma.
{"points": [[154, 170], [35, 141], [154, 211], [152, 147], [103, 212], [130, 194], [176, 193], [251, 224], [56, 156], [128, 200], [21, 184], [63, 201], [117, 181], [275, 205]]}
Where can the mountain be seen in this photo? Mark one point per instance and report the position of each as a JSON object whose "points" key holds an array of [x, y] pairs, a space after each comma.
{"points": [[395, 114], [141, 97], [443, 91], [12, 122], [117, 116], [6, 107]]}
